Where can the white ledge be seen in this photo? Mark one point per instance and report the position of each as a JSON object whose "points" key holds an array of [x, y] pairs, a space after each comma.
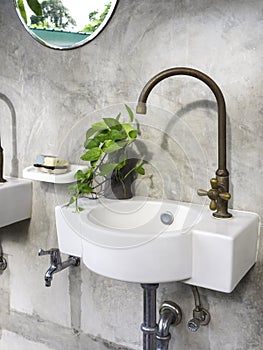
{"points": [[34, 173]]}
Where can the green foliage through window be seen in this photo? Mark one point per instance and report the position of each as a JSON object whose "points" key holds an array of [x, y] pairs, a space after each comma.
{"points": [[96, 19], [54, 15]]}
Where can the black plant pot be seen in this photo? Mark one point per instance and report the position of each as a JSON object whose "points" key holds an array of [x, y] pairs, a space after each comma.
{"points": [[116, 187]]}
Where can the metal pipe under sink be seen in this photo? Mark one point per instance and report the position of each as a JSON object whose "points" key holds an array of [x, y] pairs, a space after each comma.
{"points": [[157, 337]]}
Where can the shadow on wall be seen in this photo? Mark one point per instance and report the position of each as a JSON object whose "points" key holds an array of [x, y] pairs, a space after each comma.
{"points": [[14, 168], [205, 104]]}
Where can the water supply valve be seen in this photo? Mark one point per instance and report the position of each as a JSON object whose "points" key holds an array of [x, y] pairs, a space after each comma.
{"points": [[201, 317]]}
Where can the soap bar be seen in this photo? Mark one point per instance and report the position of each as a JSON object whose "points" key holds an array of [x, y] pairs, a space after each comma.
{"points": [[55, 161], [51, 161]]}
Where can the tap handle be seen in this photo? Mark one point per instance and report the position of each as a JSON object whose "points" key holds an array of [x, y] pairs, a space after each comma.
{"points": [[48, 252], [213, 183], [201, 192], [53, 252], [44, 252], [212, 194], [213, 205], [225, 196]]}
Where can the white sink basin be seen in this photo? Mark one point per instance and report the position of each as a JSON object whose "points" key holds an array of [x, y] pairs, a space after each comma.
{"points": [[15, 200], [126, 240]]}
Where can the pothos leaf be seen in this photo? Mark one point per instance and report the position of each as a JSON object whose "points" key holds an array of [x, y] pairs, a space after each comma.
{"points": [[92, 154], [107, 168], [130, 112], [111, 146], [116, 135], [99, 126], [35, 7], [112, 123], [84, 189], [79, 175], [91, 143], [22, 10], [140, 170], [102, 135], [72, 200], [91, 131], [129, 130]]}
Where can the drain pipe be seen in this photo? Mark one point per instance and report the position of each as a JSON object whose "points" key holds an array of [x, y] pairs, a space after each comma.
{"points": [[170, 313], [149, 326], [157, 337]]}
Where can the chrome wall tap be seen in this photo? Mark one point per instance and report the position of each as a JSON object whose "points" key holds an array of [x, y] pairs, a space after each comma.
{"points": [[56, 263]]}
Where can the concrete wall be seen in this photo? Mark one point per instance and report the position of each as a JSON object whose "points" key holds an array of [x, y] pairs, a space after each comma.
{"points": [[52, 90]]}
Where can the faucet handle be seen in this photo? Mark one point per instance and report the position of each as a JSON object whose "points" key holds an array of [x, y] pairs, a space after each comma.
{"points": [[43, 252], [225, 196], [214, 193], [54, 254], [47, 252], [201, 192], [214, 183]]}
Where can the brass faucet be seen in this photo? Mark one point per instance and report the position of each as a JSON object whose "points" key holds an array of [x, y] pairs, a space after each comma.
{"points": [[219, 193]]}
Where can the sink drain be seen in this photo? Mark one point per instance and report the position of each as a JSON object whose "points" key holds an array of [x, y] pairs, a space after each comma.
{"points": [[167, 218]]}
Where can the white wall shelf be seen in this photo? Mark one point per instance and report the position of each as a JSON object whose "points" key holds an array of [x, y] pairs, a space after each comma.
{"points": [[34, 173]]}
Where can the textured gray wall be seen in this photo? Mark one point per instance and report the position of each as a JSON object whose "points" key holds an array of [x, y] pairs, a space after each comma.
{"points": [[52, 90]]}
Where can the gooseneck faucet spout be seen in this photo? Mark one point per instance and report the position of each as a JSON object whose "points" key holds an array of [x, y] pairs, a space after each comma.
{"points": [[218, 194]]}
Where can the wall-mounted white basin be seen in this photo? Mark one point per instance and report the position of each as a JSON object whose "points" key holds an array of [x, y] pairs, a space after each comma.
{"points": [[126, 240], [15, 200]]}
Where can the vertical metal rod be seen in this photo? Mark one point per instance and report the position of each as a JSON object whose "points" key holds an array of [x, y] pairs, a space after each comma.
{"points": [[149, 325], [1, 163]]}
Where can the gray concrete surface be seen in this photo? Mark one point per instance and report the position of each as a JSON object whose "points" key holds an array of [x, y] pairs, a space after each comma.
{"points": [[51, 91]]}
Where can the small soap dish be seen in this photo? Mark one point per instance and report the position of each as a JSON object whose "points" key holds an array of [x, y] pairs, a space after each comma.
{"points": [[49, 169]]}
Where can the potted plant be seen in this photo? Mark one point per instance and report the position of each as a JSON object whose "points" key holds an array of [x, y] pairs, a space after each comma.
{"points": [[110, 171]]}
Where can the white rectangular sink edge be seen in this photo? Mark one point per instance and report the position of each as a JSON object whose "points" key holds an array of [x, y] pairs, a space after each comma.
{"points": [[214, 253], [16, 200]]}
